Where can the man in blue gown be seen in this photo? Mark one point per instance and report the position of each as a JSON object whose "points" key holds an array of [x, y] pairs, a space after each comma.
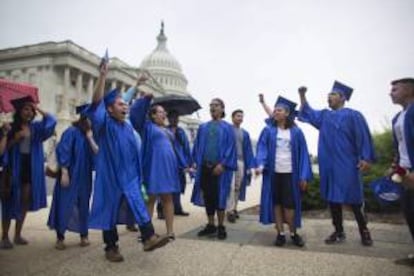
{"points": [[345, 150], [245, 162], [402, 93], [214, 154], [118, 173]]}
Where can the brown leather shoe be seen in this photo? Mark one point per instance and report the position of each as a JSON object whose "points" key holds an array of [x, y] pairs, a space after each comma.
{"points": [[156, 242], [113, 255], [60, 245], [84, 242]]}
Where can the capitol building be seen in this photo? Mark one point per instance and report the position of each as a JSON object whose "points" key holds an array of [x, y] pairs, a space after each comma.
{"points": [[66, 73]]}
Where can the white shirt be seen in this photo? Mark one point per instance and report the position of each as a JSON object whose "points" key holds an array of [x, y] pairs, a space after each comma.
{"points": [[402, 145], [283, 162]]}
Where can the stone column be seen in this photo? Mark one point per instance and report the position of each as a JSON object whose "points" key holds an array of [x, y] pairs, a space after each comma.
{"points": [[79, 87], [64, 114], [90, 88]]}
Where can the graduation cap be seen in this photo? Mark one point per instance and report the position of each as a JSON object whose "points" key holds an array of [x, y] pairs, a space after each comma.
{"points": [[288, 105], [19, 103], [385, 190], [342, 89], [80, 109], [111, 97]]}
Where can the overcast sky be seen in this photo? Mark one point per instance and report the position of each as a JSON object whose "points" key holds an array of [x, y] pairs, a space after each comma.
{"points": [[236, 49]]}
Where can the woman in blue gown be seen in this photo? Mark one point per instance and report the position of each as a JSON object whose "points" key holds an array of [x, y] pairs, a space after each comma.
{"points": [[161, 160], [25, 158], [70, 205], [283, 159]]}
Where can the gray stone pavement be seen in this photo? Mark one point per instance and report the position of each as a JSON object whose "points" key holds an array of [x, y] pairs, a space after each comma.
{"points": [[247, 251]]}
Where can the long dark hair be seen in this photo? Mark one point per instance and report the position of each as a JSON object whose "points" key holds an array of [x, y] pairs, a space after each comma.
{"points": [[17, 123]]}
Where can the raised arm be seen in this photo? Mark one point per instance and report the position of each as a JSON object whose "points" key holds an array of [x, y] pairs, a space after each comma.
{"points": [[266, 107], [98, 93]]}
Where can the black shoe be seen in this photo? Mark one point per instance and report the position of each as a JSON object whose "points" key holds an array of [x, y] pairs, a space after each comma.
{"points": [[236, 214], [366, 238], [221, 233], [160, 215], [336, 237], [209, 230], [132, 228], [231, 217], [409, 261], [297, 240], [182, 213], [280, 240]]}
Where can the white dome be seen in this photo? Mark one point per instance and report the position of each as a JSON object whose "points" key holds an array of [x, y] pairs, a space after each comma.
{"points": [[165, 68]]}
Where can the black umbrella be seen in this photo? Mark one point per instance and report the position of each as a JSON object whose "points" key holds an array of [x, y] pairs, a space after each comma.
{"points": [[183, 105]]}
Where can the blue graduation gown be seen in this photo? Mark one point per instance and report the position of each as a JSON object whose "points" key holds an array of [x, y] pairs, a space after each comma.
{"points": [[301, 170], [227, 156], [70, 205], [40, 132], [161, 161], [344, 140], [182, 146], [408, 133], [116, 189], [249, 163]]}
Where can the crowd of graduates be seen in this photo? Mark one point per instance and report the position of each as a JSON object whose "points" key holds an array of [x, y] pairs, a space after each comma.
{"points": [[139, 160]]}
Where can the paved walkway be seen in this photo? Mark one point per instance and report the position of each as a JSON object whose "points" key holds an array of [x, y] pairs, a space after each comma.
{"points": [[247, 251]]}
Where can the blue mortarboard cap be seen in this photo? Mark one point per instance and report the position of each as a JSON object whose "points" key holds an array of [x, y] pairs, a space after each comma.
{"points": [[385, 190], [19, 103], [343, 89], [80, 109], [287, 104], [111, 96]]}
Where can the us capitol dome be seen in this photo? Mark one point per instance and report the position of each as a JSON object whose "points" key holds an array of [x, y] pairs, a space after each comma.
{"points": [[165, 68]]}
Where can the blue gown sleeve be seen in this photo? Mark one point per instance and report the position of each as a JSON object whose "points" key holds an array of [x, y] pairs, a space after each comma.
{"points": [[262, 149], [305, 166], [64, 152], [248, 151], [363, 138], [185, 144], [309, 115], [97, 114], [229, 159], [138, 114], [196, 147], [129, 94], [44, 129]]}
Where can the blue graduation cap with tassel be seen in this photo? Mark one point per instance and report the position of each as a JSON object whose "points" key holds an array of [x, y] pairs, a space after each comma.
{"points": [[385, 190], [342, 89], [288, 105]]}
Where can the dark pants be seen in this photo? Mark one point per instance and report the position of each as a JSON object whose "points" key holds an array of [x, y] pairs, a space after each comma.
{"points": [[337, 219], [408, 209], [61, 236], [210, 187], [110, 237]]}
